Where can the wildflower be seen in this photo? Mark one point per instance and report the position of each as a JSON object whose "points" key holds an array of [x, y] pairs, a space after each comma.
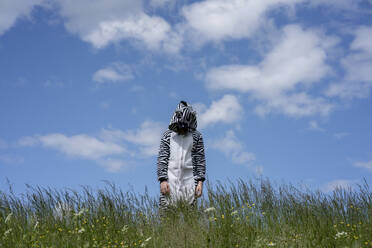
{"points": [[340, 235], [7, 219], [81, 230], [271, 244], [223, 216], [207, 210], [234, 213], [81, 212]]}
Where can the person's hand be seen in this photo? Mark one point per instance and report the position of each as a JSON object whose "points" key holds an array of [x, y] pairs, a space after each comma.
{"points": [[164, 188], [199, 189]]}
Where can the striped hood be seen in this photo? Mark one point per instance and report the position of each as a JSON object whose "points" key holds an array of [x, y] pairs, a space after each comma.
{"points": [[184, 117]]}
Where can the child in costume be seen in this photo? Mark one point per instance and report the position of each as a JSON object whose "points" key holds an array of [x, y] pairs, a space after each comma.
{"points": [[181, 161]]}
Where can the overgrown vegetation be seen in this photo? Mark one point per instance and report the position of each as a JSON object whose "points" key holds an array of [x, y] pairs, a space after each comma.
{"points": [[241, 214]]}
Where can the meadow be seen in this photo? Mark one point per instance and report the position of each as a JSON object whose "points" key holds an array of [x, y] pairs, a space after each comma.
{"points": [[235, 214]]}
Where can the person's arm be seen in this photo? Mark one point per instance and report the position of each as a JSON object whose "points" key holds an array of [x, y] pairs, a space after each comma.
{"points": [[162, 162], [200, 165], [199, 157]]}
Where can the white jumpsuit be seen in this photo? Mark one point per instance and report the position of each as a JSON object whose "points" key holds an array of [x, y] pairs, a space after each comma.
{"points": [[180, 169]]}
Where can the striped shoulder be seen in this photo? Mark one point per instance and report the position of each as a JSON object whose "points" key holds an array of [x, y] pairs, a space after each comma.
{"points": [[196, 134], [166, 134]]}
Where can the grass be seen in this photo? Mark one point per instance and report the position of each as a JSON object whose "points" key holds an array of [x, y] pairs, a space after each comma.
{"points": [[241, 214]]}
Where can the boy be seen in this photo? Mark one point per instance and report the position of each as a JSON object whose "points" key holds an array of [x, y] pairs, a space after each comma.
{"points": [[181, 160]]}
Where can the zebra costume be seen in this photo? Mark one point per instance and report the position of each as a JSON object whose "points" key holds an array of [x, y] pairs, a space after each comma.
{"points": [[181, 159]]}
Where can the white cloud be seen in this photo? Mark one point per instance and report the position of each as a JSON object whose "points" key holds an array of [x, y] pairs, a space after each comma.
{"points": [[341, 135], [366, 165], [216, 20], [280, 81], [296, 105], [338, 184], [104, 22], [313, 125], [357, 81], [111, 148], [225, 110], [233, 148], [116, 72], [12, 10], [363, 36], [81, 145], [147, 136], [113, 165], [106, 152]]}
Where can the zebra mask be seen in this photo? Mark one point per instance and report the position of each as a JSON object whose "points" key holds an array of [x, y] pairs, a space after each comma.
{"points": [[183, 119]]}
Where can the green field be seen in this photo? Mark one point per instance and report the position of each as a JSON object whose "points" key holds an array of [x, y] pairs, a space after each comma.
{"points": [[240, 214]]}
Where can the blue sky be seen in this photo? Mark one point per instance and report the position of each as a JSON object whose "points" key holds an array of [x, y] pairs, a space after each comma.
{"points": [[281, 87]]}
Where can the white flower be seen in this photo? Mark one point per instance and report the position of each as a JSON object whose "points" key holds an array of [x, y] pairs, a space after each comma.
{"points": [[340, 235], [271, 244], [81, 212], [207, 210], [234, 212], [81, 230]]}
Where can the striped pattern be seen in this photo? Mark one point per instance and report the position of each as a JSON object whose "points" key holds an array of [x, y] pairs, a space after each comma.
{"points": [[184, 117], [198, 156], [163, 157], [198, 161]]}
